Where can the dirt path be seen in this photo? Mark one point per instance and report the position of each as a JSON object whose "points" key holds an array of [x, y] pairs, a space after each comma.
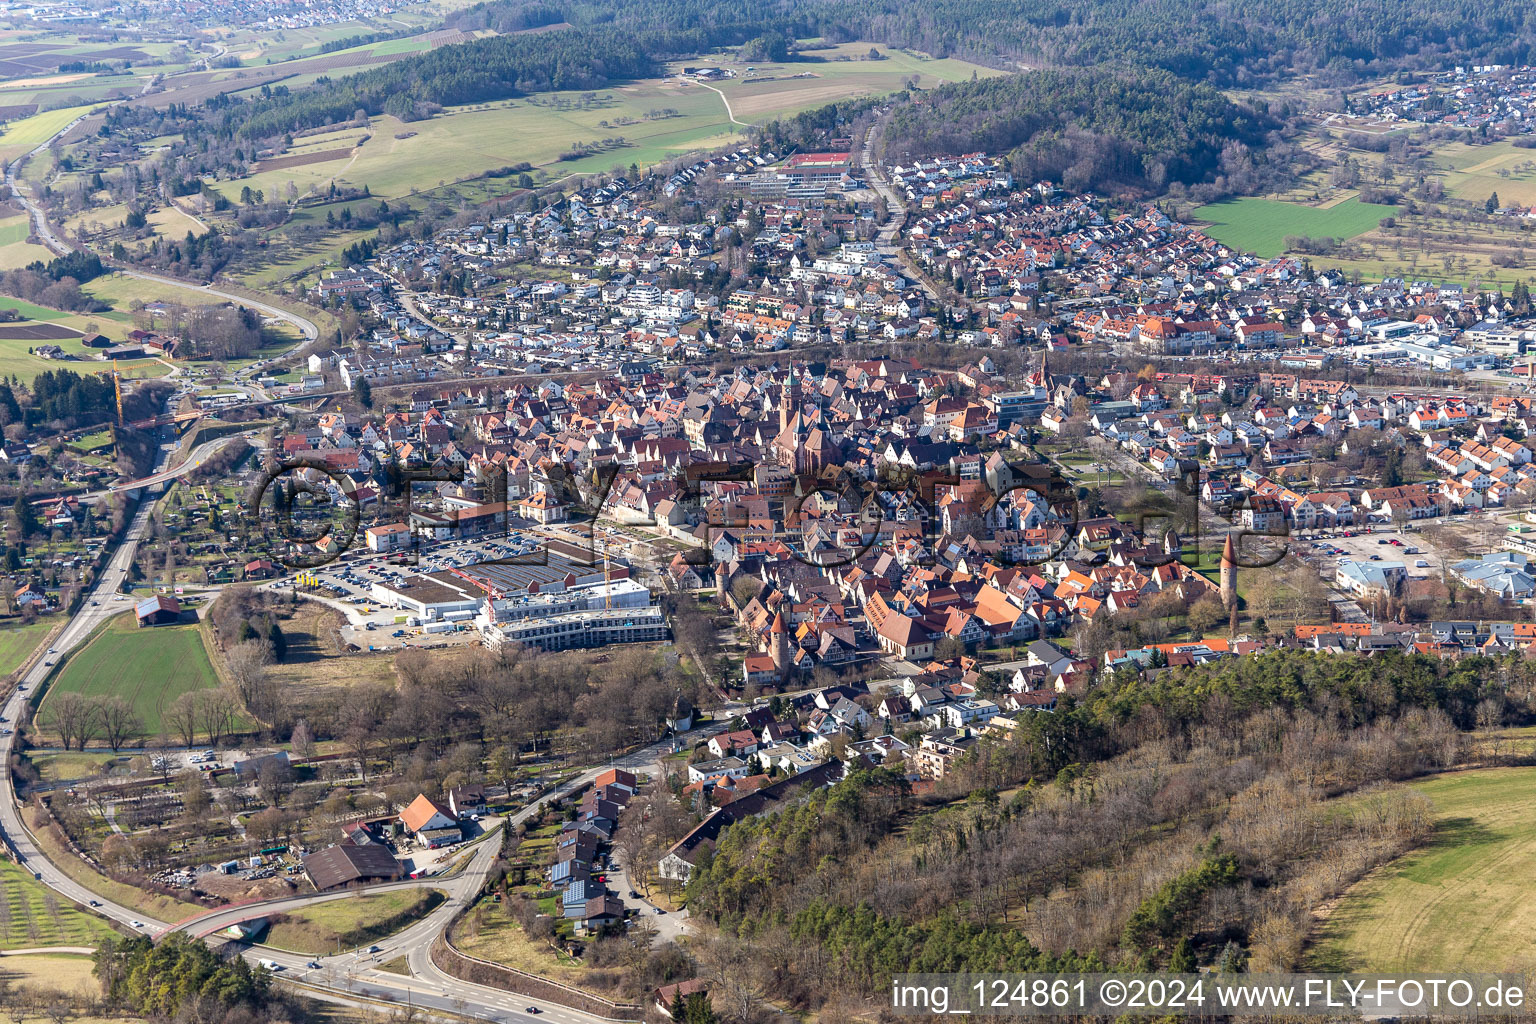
{"points": [[727, 102]]}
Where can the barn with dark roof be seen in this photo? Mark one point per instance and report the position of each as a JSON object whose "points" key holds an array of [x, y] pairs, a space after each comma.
{"points": [[159, 610]]}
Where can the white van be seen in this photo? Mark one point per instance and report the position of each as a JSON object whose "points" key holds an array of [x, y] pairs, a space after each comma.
{"points": [[1422, 564]]}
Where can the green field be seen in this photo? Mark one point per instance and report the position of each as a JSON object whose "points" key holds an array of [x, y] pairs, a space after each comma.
{"points": [[30, 310], [23, 136], [1463, 901], [150, 668], [338, 925], [1475, 172], [18, 641], [657, 119], [32, 916], [1261, 225]]}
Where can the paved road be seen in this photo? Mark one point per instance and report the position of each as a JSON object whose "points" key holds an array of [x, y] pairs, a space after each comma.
{"points": [[340, 978], [97, 608], [886, 241], [44, 231]]}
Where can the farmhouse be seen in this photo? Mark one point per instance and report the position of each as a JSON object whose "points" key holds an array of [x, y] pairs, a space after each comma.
{"points": [[431, 824]]}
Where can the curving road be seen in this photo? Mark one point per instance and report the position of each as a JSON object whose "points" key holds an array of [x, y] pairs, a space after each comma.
{"points": [[345, 978], [45, 234], [348, 978]]}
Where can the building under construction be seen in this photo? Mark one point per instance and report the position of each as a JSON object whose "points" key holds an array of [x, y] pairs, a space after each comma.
{"points": [[560, 603]]}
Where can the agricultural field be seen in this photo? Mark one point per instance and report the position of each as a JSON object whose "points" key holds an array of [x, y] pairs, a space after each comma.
{"points": [[1475, 172], [15, 251], [33, 916], [1459, 902], [643, 123], [26, 134], [1262, 225], [45, 326], [72, 973], [17, 641], [832, 74], [15, 359], [149, 668]]}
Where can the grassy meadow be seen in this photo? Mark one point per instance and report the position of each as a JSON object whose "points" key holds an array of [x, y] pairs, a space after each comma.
{"points": [[33, 916], [149, 668], [1262, 225], [1463, 900]]}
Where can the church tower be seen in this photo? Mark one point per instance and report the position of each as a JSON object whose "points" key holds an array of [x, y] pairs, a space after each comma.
{"points": [[789, 401], [1229, 574]]}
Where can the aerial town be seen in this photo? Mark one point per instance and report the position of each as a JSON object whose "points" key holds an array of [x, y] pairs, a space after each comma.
{"points": [[532, 609]]}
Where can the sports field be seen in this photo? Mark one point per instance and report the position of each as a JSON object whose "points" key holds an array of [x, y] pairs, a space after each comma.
{"points": [[32, 916], [149, 668], [1261, 225], [1464, 901]]}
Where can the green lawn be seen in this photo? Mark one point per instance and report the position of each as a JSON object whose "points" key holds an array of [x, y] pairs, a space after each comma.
{"points": [[31, 915], [346, 924], [1262, 225], [18, 641], [150, 668], [1463, 901]]}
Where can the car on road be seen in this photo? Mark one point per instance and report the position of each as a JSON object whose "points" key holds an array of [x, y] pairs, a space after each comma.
{"points": [[633, 895], [135, 924], [531, 1009], [313, 965], [375, 949], [658, 910], [93, 903]]}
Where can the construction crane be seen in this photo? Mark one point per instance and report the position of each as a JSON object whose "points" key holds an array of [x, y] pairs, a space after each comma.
{"points": [[117, 387], [607, 579]]}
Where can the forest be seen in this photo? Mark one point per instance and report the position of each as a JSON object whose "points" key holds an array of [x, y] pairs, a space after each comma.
{"points": [[478, 71], [1084, 129], [1187, 820], [1246, 42]]}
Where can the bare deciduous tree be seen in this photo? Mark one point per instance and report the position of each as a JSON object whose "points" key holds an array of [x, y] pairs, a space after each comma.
{"points": [[119, 722]]}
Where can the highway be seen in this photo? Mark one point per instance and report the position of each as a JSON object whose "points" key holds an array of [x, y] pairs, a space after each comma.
{"points": [[342, 978]]}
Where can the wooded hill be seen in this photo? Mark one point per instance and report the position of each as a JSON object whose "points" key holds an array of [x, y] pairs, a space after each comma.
{"points": [[1082, 128], [1197, 818], [1235, 42]]}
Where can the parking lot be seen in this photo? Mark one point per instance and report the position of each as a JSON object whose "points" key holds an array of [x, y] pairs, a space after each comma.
{"points": [[347, 584], [1367, 544]]}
